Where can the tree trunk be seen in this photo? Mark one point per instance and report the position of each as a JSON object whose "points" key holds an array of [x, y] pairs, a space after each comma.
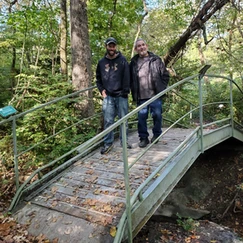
{"points": [[81, 54], [13, 65], [63, 41], [197, 23]]}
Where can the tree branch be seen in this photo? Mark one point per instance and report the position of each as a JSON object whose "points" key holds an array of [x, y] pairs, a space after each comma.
{"points": [[207, 11], [140, 24], [111, 17]]}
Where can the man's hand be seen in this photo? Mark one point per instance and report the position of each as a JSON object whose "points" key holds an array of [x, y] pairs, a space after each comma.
{"points": [[104, 93]]}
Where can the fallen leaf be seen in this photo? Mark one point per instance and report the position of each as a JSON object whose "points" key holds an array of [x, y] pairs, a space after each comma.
{"points": [[113, 231], [54, 220], [107, 208], [54, 204], [97, 191], [165, 231], [67, 231], [54, 189], [89, 172]]}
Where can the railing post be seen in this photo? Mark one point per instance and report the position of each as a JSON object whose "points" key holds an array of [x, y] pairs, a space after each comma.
{"points": [[191, 114], [127, 184], [201, 112], [231, 106], [15, 153], [200, 77]]}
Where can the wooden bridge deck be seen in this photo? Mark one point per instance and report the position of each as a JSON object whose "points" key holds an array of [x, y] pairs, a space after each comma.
{"points": [[88, 199]]}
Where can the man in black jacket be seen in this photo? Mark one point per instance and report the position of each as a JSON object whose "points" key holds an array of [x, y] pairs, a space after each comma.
{"points": [[113, 82], [148, 78]]}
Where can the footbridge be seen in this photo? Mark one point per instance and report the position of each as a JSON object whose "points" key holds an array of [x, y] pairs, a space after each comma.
{"points": [[84, 196]]}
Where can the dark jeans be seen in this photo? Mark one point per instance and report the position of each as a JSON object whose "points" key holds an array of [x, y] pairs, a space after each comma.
{"points": [[112, 107], [155, 109]]}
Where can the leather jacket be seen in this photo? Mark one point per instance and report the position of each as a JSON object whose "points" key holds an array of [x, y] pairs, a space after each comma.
{"points": [[158, 75]]}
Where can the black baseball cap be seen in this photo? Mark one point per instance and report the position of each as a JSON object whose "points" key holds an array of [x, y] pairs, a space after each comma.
{"points": [[110, 40]]}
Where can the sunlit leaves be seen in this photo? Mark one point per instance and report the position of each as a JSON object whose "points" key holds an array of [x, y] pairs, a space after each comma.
{"points": [[119, 21], [35, 24]]}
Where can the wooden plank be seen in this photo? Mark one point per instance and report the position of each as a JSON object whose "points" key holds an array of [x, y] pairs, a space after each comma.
{"points": [[89, 214], [93, 188]]}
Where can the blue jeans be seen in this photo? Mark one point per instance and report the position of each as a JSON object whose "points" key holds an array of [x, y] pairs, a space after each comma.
{"points": [[155, 109], [112, 107]]}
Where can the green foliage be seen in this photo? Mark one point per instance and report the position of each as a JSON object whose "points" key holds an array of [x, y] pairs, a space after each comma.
{"points": [[187, 224], [238, 98], [5, 87], [240, 186], [180, 101], [119, 21], [165, 24], [6, 149], [31, 26], [51, 121]]}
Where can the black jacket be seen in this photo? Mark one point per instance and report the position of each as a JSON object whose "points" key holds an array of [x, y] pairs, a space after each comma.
{"points": [[157, 73], [113, 76]]}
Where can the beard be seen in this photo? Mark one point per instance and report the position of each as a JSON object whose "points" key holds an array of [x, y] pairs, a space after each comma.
{"points": [[111, 53], [143, 53]]}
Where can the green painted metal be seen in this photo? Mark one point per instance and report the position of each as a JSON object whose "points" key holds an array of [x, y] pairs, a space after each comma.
{"points": [[127, 184], [201, 109], [13, 119], [237, 134], [145, 204], [15, 153], [145, 200]]}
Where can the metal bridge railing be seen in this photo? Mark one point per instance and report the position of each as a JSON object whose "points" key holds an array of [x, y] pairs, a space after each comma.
{"points": [[27, 185], [196, 115], [126, 219]]}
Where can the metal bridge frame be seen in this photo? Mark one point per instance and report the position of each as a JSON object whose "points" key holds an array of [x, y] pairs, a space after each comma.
{"points": [[176, 165], [142, 202]]}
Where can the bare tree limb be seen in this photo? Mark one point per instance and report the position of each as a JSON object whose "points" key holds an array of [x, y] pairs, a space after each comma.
{"points": [[207, 11], [140, 23], [111, 17], [238, 24]]}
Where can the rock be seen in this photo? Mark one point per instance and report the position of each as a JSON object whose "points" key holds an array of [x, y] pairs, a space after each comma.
{"points": [[174, 211], [209, 231], [203, 232]]}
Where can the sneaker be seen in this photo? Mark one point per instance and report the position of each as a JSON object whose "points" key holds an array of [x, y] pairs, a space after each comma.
{"points": [[106, 149], [143, 142], [154, 138], [129, 146]]}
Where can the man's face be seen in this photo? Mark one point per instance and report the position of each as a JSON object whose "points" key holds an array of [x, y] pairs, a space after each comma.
{"points": [[141, 48], [111, 49]]}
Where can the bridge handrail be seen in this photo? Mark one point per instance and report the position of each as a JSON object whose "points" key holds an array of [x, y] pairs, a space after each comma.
{"points": [[88, 145], [138, 193], [13, 118], [81, 148], [46, 104]]}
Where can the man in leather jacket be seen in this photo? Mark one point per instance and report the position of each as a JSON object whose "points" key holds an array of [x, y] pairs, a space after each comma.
{"points": [[148, 78]]}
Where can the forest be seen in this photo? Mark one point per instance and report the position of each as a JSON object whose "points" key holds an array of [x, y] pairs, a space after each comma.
{"points": [[50, 49]]}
